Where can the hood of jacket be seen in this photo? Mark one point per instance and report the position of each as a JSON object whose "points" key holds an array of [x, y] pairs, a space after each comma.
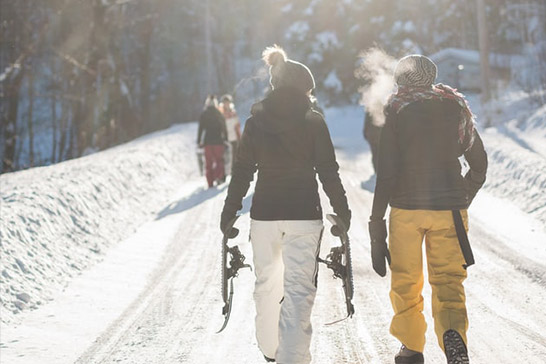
{"points": [[282, 110]]}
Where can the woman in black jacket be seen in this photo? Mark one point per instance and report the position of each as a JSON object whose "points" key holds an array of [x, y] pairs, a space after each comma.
{"points": [[288, 144], [211, 136]]}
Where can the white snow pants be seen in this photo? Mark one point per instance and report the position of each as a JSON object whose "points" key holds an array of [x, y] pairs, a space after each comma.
{"points": [[286, 270]]}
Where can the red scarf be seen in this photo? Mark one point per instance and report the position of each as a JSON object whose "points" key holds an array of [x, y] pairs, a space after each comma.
{"points": [[407, 95]]}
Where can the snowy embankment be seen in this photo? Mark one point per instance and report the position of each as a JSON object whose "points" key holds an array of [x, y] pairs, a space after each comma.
{"points": [[516, 147], [60, 220], [516, 173]]}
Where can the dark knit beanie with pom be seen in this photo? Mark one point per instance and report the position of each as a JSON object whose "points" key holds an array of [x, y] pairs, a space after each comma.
{"points": [[415, 70], [285, 72]]}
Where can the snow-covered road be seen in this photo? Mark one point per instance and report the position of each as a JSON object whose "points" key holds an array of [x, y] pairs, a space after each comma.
{"points": [[155, 298]]}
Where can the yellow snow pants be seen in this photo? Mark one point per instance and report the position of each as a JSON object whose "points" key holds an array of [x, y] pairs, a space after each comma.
{"points": [[407, 228]]}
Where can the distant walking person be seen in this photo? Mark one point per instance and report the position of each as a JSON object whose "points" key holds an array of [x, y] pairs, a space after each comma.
{"points": [[372, 133], [428, 127], [233, 127], [288, 144], [212, 135]]}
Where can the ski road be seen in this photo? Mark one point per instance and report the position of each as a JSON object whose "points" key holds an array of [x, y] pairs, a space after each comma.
{"points": [[169, 312]]}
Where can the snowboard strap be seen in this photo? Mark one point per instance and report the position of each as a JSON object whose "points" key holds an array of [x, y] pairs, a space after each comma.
{"points": [[463, 239]]}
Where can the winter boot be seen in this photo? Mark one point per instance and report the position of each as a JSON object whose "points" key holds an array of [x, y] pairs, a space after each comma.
{"points": [[455, 348], [269, 360], [408, 356]]}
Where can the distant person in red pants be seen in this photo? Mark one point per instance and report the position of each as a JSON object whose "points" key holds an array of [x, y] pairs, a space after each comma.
{"points": [[212, 135]]}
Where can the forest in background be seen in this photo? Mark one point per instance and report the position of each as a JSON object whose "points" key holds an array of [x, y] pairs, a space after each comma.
{"points": [[82, 76]]}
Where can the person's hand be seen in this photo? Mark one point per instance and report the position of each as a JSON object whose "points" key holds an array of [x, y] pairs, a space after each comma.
{"points": [[380, 251], [474, 181], [200, 145], [225, 219]]}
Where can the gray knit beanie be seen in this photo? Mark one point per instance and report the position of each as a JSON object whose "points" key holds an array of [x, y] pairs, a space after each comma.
{"points": [[415, 70], [286, 72]]}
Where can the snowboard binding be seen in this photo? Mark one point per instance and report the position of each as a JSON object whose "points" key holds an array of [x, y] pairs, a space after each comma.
{"points": [[236, 262], [339, 261]]}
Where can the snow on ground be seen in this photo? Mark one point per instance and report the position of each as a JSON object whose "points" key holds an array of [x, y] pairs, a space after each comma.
{"points": [[516, 173], [142, 229], [57, 221], [59, 332], [516, 148]]}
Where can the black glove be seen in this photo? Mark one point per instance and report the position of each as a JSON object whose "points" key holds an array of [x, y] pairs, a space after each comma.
{"points": [[380, 252], [346, 218], [474, 181], [226, 217]]}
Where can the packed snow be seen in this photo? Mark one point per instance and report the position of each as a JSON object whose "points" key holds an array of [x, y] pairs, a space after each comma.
{"points": [[58, 221], [114, 258], [517, 151]]}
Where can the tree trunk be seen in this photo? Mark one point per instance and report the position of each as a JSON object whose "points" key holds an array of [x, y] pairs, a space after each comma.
{"points": [[145, 57], [76, 142], [208, 47], [484, 51], [53, 127], [63, 129], [9, 121], [72, 136], [86, 114], [30, 117]]}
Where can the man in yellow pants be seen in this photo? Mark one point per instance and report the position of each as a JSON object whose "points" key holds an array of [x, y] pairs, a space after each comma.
{"points": [[428, 127]]}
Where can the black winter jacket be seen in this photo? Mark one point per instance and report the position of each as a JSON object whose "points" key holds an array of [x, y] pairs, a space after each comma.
{"points": [[419, 164], [213, 125], [288, 144]]}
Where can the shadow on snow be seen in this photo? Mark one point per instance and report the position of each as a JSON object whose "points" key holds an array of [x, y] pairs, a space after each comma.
{"points": [[369, 185], [198, 196]]}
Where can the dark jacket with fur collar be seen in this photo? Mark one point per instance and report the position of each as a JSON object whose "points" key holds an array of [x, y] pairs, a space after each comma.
{"points": [[419, 166], [288, 144]]}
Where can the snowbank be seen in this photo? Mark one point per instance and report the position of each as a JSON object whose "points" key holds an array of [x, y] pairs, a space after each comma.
{"points": [[516, 173], [59, 220], [521, 117], [516, 146]]}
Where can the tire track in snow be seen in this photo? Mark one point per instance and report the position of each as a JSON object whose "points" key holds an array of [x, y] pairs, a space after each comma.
{"points": [[118, 334], [533, 270], [188, 335]]}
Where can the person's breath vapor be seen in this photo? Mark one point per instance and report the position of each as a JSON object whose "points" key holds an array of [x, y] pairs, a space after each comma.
{"points": [[376, 70]]}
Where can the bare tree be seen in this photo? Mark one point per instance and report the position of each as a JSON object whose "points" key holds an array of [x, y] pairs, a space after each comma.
{"points": [[13, 36], [30, 121], [484, 55], [53, 102]]}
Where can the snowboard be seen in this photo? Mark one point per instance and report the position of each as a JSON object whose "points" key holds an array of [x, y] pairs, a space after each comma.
{"points": [[339, 261], [230, 270]]}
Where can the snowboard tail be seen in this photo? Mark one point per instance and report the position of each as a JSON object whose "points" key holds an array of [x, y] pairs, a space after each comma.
{"points": [[230, 271], [339, 261]]}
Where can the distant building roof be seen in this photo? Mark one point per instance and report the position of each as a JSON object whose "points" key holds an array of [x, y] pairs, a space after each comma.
{"points": [[473, 56]]}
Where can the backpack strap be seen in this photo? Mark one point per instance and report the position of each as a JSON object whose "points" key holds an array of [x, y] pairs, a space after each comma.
{"points": [[463, 239]]}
